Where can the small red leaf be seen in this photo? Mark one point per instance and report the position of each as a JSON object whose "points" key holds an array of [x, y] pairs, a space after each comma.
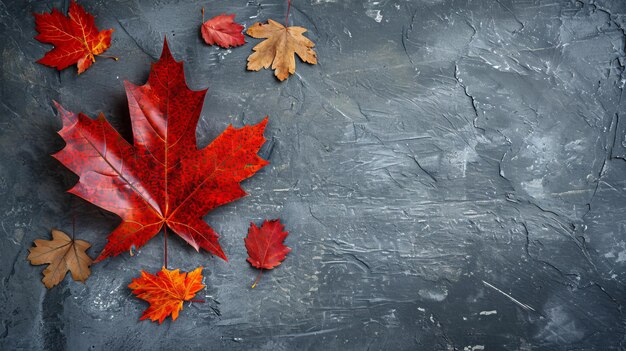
{"points": [[166, 291], [223, 31], [75, 37], [265, 245]]}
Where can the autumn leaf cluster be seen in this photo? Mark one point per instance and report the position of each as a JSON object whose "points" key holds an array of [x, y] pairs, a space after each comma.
{"points": [[161, 182], [77, 40]]}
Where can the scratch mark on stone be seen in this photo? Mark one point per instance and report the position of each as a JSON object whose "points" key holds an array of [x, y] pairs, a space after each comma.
{"points": [[135, 41], [516, 301]]}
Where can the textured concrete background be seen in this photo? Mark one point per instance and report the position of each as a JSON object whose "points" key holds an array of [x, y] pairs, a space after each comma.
{"points": [[452, 174]]}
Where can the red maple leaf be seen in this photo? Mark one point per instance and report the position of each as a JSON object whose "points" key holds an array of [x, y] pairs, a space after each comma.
{"points": [[223, 31], [75, 37], [166, 291], [265, 245], [163, 179]]}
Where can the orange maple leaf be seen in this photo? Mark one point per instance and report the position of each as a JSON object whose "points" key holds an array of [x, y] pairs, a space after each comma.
{"points": [[76, 38], [166, 291]]}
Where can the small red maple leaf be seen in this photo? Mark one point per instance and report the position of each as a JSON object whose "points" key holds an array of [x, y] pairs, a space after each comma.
{"points": [[223, 31], [265, 245], [75, 37], [163, 179], [166, 291]]}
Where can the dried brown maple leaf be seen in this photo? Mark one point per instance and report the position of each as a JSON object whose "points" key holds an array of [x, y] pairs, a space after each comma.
{"points": [[62, 254], [279, 48]]}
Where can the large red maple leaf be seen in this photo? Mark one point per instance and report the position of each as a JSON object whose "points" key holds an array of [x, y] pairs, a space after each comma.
{"points": [[163, 179], [75, 37]]}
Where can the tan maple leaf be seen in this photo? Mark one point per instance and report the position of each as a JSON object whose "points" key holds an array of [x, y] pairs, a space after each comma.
{"points": [[280, 48], [62, 254]]}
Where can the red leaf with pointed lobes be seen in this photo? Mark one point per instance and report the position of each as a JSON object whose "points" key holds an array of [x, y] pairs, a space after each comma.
{"points": [[162, 179], [75, 37], [166, 291], [223, 31], [265, 245]]}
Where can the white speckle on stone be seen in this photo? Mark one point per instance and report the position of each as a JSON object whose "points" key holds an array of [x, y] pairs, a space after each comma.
{"points": [[474, 348], [433, 295], [375, 14], [621, 257]]}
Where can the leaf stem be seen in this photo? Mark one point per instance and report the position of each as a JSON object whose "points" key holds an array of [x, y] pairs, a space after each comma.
{"points": [[165, 246], [257, 278], [287, 16], [198, 301], [202, 14], [73, 224], [111, 57]]}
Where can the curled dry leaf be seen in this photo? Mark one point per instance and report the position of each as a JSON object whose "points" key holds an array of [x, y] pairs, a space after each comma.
{"points": [[76, 38], [265, 245], [279, 48], [163, 179], [62, 254], [166, 291], [222, 31]]}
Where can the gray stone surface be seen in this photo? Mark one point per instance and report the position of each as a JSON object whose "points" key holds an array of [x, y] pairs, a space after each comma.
{"points": [[452, 174]]}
